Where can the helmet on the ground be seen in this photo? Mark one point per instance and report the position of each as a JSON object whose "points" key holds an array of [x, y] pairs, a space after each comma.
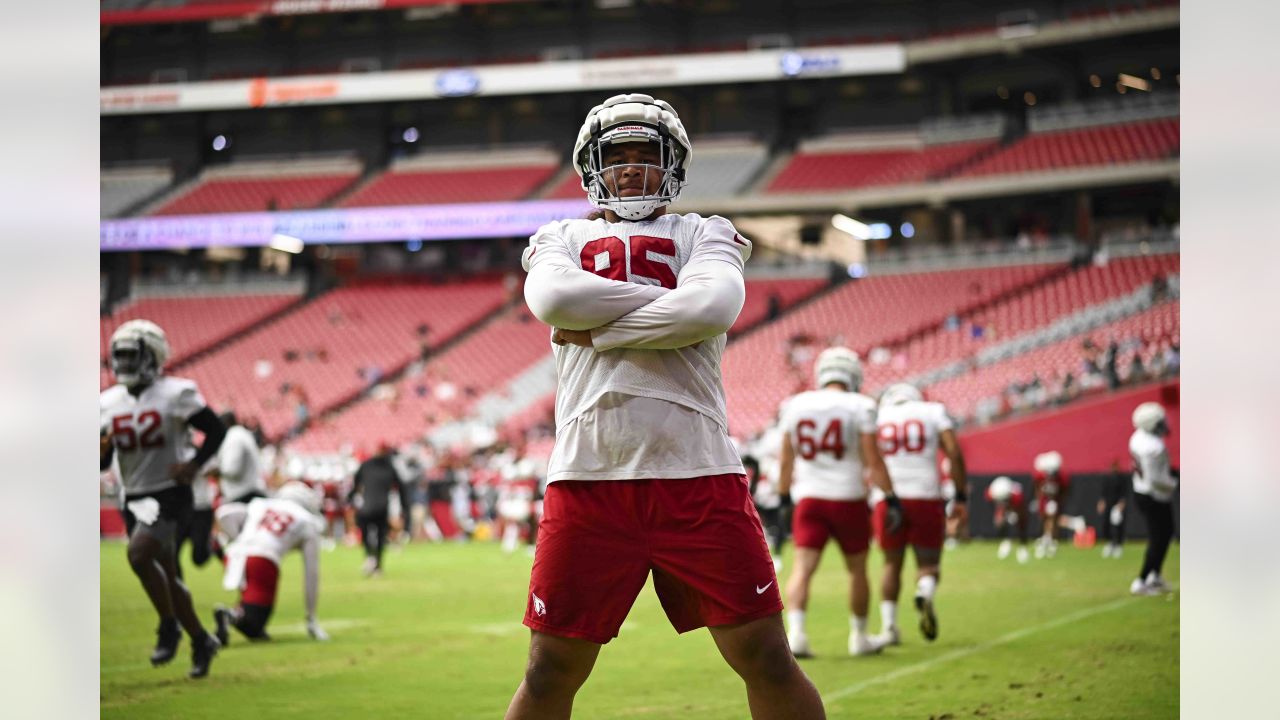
{"points": [[139, 350], [1048, 463], [839, 364], [311, 499], [633, 117], [1149, 416], [899, 393]]}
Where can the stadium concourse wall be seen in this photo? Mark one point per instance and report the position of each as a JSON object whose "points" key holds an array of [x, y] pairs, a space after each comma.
{"points": [[1090, 435]]}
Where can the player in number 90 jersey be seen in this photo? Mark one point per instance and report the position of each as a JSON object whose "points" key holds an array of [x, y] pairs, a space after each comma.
{"points": [[911, 432], [829, 439], [143, 428]]}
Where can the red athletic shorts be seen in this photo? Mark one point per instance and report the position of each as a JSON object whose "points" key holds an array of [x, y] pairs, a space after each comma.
{"points": [[924, 525], [848, 521], [260, 578], [599, 540]]}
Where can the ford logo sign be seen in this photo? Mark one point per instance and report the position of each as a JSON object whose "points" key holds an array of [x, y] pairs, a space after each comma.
{"points": [[456, 83], [794, 63]]}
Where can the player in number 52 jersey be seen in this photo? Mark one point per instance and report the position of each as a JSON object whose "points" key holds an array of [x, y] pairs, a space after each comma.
{"points": [[828, 442], [143, 426], [911, 432]]}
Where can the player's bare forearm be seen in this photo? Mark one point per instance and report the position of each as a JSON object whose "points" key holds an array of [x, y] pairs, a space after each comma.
{"points": [[786, 465]]}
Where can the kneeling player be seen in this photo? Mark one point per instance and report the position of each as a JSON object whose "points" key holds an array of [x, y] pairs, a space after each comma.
{"points": [[272, 527], [1052, 488], [910, 432], [1010, 516]]}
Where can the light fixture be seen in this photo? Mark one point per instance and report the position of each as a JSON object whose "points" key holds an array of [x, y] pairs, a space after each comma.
{"points": [[410, 135], [1029, 97], [413, 245], [1155, 73], [1136, 83], [908, 230], [1095, 81], [220, 143], [846, 224], [286, 243]]}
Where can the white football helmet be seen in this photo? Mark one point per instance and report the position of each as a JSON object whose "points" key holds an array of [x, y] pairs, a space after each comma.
{"points": [[1048, 463], [311, 499], [633, 117], [139, 350], [899, 393], [1149, 416], [839, 364], [1002, 488]]}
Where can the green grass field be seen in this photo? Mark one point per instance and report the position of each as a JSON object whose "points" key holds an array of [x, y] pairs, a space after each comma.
{"points": [[439, 636]]}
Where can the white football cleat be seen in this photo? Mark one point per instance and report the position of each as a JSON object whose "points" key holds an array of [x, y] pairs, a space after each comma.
{"points": [[1140, 587], [799, 645], [1051, 549], [889, 637], [1023, 555], [1117, 550], [1106, 550], [1156, 585], [1006, 546], [864, 644]]}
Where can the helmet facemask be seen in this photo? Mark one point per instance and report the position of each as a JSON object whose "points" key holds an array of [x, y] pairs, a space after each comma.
{"points": [[602, 181], [133, 363]]}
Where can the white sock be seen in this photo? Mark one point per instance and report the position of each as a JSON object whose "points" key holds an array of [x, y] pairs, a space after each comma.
{"points": [[888, 614], [795, 621], [858, 624], [926, 586]]}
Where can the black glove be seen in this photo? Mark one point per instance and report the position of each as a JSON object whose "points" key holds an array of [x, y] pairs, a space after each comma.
{"points": [[893, 514], [784, 500]]}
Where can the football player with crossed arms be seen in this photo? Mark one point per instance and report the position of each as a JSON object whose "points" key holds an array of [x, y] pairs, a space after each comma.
{"points": [[144, 423], [272, 527], [828, 441], [644, 477], [911, 432]]}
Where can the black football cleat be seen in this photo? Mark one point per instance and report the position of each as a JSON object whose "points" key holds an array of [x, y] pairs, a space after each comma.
{"points": [[168, 635], [222, 624], [202, 655], [928, 620]]}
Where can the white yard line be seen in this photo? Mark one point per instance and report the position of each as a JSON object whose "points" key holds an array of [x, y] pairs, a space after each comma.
{"points": [[957, 654]]}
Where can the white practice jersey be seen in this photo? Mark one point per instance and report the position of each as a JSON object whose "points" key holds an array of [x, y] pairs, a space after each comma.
{"points": [[1151, 473], [826, 428], [150, 432], [273, 527], [908, 434], [239, 468], [659, 296]]}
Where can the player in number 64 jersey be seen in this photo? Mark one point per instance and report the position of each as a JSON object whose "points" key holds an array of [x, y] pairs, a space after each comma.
{"points": [[828, 442]]}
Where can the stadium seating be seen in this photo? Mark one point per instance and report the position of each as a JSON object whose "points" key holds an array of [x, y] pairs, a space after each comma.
{"points": [[458, 178], [1020, 314], [788, 291], [335, 346], [1093, 146], [961, 394], [847, 169], [260, 186], [193, 324], [867, 313], [125, 187]]}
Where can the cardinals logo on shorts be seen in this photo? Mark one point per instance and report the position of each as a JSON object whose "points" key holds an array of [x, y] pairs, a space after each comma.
{"points": [[539, 607]]}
